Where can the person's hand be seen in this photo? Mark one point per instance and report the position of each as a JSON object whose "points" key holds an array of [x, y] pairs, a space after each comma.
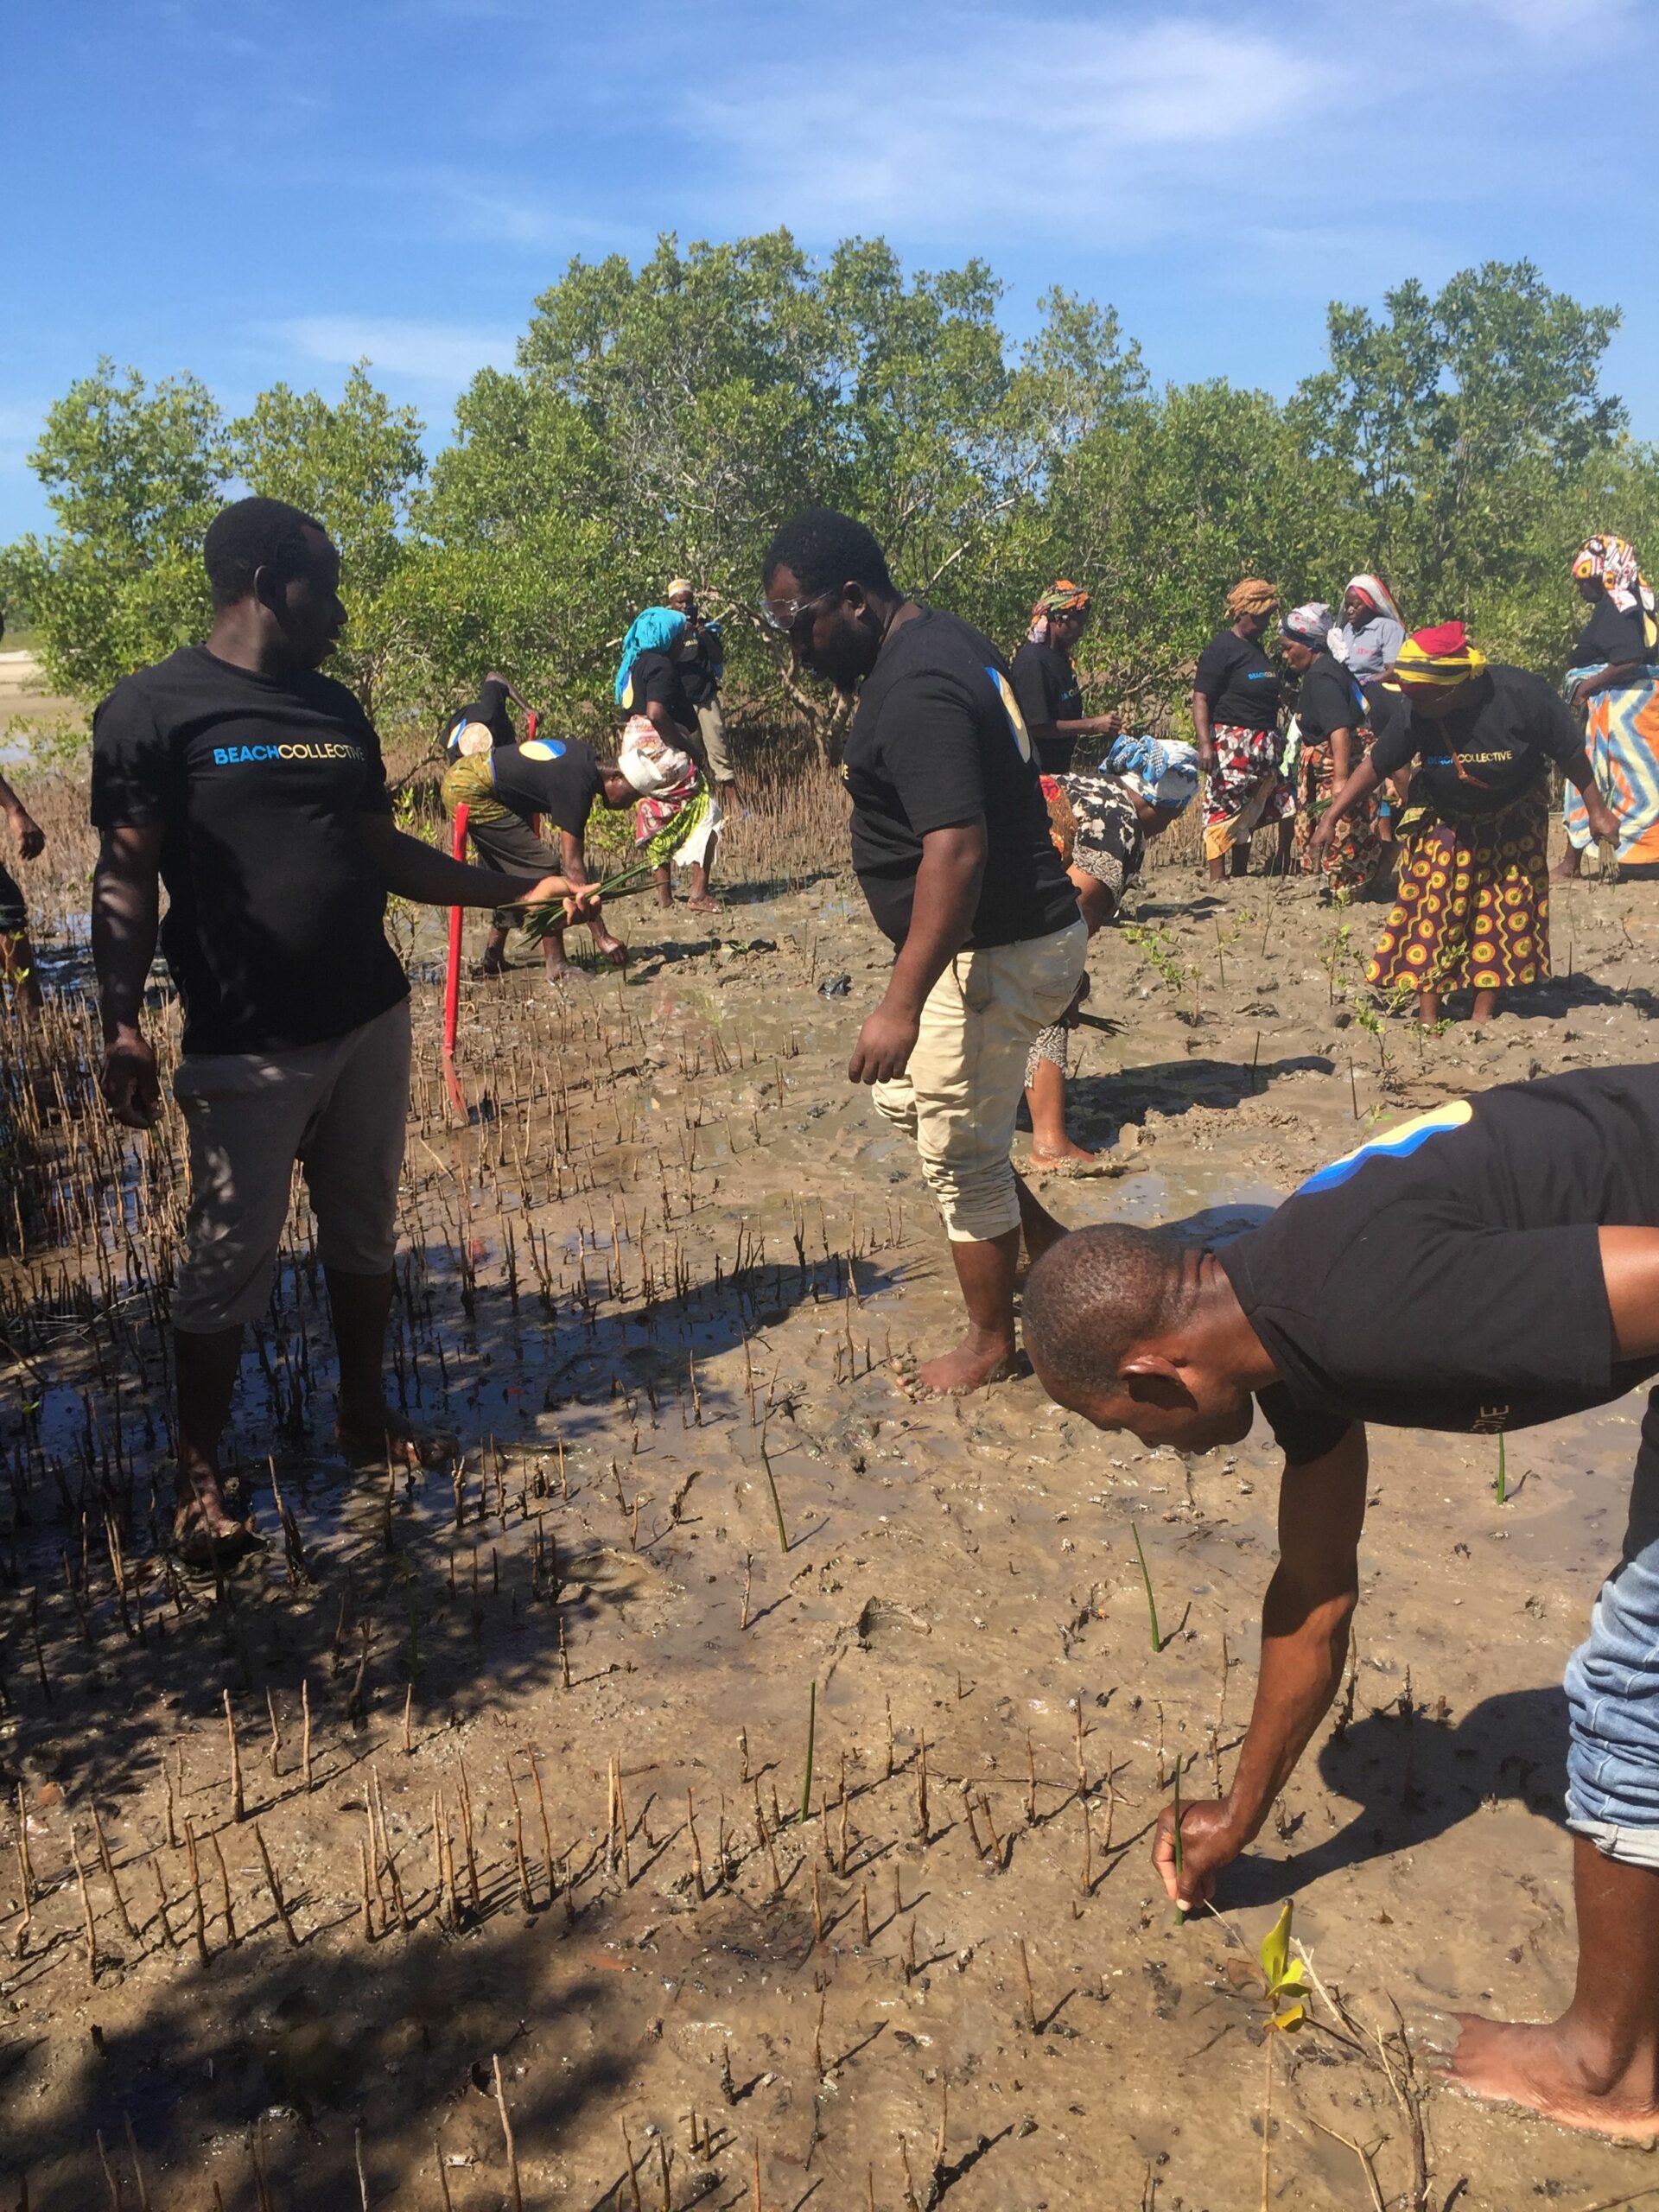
{"points": [[1109, 725], [131, 1088], [1210, 1841], [885, 1045], [1323, 832], [1604, 823], [1207, 758], [1584, 692], [31, 838]]}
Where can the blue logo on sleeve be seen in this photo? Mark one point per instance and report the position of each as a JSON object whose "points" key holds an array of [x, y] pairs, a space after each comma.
{"points": [[1398, 1144]]}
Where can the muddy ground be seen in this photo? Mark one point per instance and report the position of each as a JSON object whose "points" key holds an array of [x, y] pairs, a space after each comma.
{"points": [[661, 1284]]}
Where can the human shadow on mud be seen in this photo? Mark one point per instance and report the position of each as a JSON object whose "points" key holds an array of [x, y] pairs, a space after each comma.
{"points": [[338, 2048], [455, 1588], [1177, 1086], [1416, 1777]]}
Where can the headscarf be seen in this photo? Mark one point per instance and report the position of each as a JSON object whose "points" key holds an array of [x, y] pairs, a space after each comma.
{"points": [[1376, 595], [1612, 563], [681, 584], [652, 766], [1309, 624], [1062, 597], [653, 632], [1435, 658], [1255, 595], [1165, 771]]}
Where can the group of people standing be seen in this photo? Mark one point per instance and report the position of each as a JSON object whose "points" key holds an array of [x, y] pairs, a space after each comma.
{"points": [[1420, 744], [253, 787]]}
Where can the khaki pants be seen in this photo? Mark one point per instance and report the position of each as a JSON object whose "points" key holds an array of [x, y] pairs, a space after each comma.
{"points": [[340, 1109], [711, 727], [960, 1094]]}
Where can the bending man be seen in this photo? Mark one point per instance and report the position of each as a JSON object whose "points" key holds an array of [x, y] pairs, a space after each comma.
{"points": [[1490, 1265]]}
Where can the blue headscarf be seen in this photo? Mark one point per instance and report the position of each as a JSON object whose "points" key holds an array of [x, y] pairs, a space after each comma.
{"points": [[1165, 771], [653, 632]]}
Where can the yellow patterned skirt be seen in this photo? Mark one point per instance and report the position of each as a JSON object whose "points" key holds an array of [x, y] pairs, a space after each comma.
{"points": [[1473, 905]]}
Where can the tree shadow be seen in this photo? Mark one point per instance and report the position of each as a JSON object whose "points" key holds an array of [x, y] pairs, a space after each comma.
{"points": [[1416, 1779]]}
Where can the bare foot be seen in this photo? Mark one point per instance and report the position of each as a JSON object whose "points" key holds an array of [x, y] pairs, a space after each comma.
{"points": [[484, 971], [205, 1534], [1566, 869], [972, 1366], [704, 906], [664, 899], [389, 1435], [1535, 2066], [1043, 1156]]}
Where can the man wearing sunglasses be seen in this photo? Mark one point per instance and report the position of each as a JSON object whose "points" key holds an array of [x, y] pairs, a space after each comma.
{"points": [[951, 846]]}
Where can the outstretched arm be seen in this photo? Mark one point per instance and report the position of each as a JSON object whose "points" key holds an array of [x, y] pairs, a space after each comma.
{"points": [[1357, 786], [1305, 1620], [1604, 823], [412, 869]]}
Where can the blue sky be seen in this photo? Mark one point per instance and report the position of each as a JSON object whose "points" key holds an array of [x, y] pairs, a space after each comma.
{"points": [[264, 191]]}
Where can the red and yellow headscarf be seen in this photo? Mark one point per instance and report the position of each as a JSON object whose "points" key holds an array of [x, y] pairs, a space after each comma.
{"points": [[1435, 659], [1061, 598]]}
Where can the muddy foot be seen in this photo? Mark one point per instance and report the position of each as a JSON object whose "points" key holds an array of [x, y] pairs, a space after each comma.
{"points": [[1517, 2065], [955, 1373], [705, 906], [392, 1437], [487, 971], [1068, 1153], [205, 1536]]}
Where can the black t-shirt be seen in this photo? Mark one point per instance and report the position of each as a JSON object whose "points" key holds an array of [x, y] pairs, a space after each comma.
{"points": [[1611, 637], [938, 740], [1488, 751], [1447, 1274], [555, 776], [696, 657], [1240, 682], [1329, 699], [657, 678], [274, 930], [1046, 686]]}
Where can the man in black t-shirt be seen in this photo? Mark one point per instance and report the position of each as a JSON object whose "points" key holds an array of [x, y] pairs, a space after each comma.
{"points": [[951, 845], [253, 788], [1489, 1265]]}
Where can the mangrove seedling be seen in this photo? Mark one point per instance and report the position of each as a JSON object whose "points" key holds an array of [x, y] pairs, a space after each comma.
{"points": [[1152, 1603], [1286, 1977], [812, 1739]]}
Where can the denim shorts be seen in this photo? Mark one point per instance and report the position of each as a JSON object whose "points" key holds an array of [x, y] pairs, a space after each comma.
{"points": [[1613, 1687]]}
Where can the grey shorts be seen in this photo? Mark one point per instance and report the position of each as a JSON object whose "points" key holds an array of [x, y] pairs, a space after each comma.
{"points": [[340, 1110], [511, 847]]}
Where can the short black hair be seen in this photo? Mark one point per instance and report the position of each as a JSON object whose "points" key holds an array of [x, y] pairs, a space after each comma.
{"points": [[1093, 1296], [251, 535], [823, 549]]}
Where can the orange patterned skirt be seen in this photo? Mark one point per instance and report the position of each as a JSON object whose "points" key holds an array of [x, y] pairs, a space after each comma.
{"points": [[1473, 905]]}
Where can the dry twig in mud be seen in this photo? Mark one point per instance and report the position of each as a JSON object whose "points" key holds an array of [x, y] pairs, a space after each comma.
{"points": [[1364, 2157]]}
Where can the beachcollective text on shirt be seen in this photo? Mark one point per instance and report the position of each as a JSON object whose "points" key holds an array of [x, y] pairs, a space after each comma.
{"points": [[225, 756]]}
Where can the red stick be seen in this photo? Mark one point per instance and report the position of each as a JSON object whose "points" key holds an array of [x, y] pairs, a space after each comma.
{"points": [[452, 980]]}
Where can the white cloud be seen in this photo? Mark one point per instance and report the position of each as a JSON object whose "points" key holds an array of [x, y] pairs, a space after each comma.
{"points": [[439, 352], [1016, 118]]}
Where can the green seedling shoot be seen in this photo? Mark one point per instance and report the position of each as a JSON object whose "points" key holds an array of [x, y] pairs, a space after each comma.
{"points": [[1286, 1977], [1152, 1603], [811, 1738], [1502, 1485]]}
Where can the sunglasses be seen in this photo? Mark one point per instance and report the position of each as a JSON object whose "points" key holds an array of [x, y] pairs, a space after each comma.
{"points": [[787, 617]]}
